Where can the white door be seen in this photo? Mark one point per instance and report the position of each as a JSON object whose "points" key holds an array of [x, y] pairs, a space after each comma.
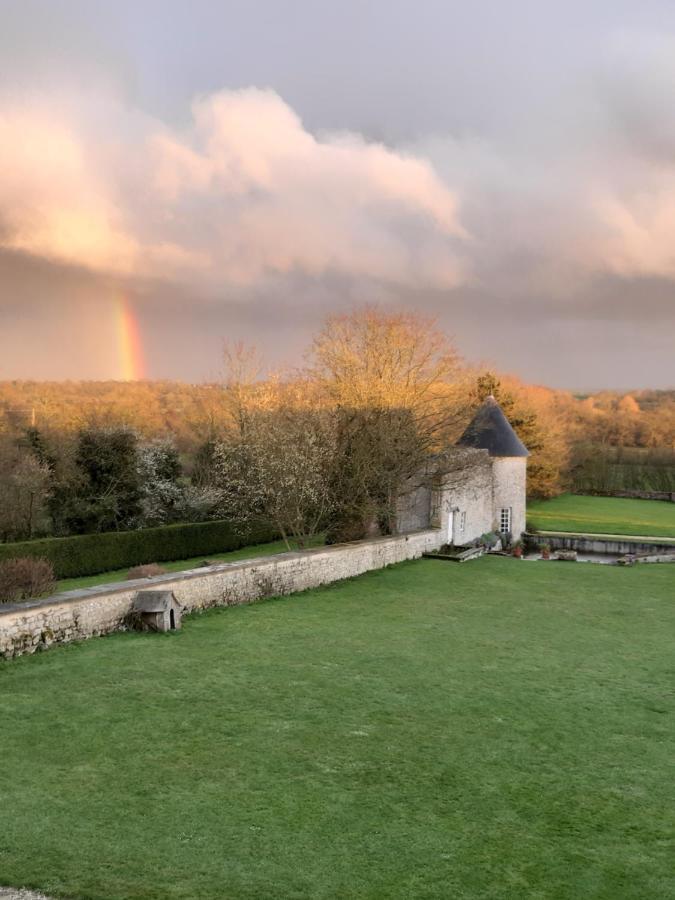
{"points": [[451, 520]]}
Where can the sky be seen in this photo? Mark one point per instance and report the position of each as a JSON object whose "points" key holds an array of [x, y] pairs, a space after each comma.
{"points": [[178, 174]]}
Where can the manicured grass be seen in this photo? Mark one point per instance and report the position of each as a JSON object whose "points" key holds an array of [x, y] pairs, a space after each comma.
{"points": [[179, 565], [499, 729], [603, 515]]}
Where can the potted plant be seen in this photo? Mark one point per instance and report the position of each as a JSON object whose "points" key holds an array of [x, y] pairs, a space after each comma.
{"points": [[518, 549], [545, 551]]}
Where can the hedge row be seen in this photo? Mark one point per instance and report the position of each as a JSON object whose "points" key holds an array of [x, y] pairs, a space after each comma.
{"points": [[91, 554]]}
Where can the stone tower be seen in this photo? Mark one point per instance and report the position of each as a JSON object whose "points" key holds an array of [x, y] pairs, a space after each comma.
{"points": [[490, 430]]}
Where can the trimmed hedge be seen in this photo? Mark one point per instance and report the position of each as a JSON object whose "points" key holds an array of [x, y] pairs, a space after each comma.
{"points": [[91, 554]]}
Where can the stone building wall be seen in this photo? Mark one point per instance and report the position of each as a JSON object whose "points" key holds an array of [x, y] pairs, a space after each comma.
{"points": [[510, 489], [466, 509], [75, 615], [464, 487], [467, 498], [413, 509]]}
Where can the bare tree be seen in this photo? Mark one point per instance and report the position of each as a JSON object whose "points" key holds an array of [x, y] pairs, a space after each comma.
{"points": [[374, 359], [378, 452], [399, 388], [24, 489], [278, 470], [339, 442], [242, 381]]}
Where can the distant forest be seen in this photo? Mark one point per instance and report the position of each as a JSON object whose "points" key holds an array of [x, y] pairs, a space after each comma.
{"points": [[80, 457], [612, 441]]}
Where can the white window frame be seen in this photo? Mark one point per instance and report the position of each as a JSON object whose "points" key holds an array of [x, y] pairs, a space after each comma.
{"points": [[505, 520], [462, 522]]}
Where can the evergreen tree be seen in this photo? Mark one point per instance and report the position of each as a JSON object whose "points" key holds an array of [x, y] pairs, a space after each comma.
{"points": [[546, 457], [103, 492], [34, 441], [204, 474]]}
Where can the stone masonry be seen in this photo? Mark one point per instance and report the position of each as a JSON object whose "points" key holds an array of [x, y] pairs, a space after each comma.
{"points": [[75, 615]]}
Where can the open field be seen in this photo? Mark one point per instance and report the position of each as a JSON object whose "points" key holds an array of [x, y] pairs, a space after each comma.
{"points": [[180, 565], [502, 729], [603, 515]]}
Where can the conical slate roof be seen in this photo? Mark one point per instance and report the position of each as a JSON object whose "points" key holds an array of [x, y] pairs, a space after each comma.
{"points": [[490, 430]]}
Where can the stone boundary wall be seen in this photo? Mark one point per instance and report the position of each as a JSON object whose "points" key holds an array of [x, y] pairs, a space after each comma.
{"points": [[76, 615], [668, 496], [590, 544]]}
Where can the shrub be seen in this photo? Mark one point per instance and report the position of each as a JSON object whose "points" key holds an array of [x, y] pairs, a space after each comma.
{"points": [[147, 571], [91, 554], [25, 578], [489, 539]]}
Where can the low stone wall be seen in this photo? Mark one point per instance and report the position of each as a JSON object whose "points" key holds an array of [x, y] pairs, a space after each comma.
{"points": [[590, 544], [668, 496], [75, 615]]}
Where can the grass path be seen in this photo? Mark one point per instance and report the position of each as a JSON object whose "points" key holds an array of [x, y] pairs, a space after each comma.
{"points": [[603, 515], [495, 730]]}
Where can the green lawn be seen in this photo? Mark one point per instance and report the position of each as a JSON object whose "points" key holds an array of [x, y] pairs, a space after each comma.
{"points": [[603, 515], [179, 565], [499, 729]]}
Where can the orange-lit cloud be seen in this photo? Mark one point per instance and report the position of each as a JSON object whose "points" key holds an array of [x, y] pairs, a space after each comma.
{"points": [[638, 239], [245, 192], [52, 203]]}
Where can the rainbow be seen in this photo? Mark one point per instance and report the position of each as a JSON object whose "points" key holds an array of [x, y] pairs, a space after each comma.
{"points": [[129, 346]]}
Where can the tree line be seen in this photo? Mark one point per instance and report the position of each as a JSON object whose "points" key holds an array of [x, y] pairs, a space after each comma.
{"points": [[329, 446]]}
